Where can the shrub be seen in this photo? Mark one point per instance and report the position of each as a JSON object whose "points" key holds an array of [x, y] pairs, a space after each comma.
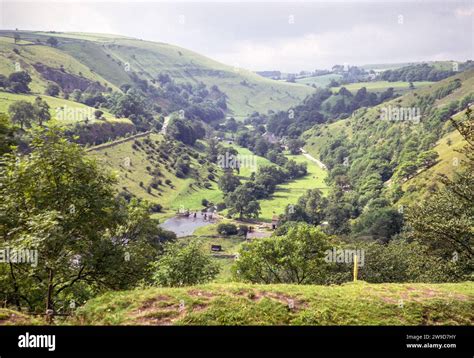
{"points": [[156, 208], [184, 265], [227, 229]]}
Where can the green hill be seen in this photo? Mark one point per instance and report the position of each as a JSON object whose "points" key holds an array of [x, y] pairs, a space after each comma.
{"points": [[109, 60], [243, 304], [376, 149], [145, 168]]}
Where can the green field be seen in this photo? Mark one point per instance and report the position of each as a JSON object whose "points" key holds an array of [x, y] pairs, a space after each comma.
{"points": [[244, 304], [289, 192], [319, 81], [67, 112], [379, 86]]}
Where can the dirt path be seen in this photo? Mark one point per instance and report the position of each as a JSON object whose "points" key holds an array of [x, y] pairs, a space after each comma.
{"points": [[313, 159], [165, 125]]}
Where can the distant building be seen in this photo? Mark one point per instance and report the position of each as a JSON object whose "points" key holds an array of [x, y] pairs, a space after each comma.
{"points": [[270, 137]]}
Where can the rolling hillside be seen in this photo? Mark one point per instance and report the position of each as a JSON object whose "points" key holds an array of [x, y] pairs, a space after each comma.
{"points": [[109, 60], [144, 168], [369, 141]]}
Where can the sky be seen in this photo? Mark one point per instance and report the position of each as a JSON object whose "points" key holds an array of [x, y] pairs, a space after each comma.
{"points": [[269, 35]]}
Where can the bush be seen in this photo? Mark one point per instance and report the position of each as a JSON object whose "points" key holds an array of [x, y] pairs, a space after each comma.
{"points": [[227, 229], [204, 202], [297, 257], [52, 90], [243, 230], [184, 265], [156, 208]]}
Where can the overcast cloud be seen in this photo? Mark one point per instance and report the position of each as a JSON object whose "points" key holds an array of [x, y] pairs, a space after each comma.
{"points": [[271, 35]]}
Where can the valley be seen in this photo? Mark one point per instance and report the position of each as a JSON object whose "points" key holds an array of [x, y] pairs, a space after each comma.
{"points": [[162, 187]]}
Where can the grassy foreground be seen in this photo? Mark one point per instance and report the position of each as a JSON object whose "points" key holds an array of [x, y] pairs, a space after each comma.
{"points": [[245, 304]]}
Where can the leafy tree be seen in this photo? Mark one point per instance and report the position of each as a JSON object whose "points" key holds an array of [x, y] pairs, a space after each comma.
{"points": [[379, 223], [403, 261], [22, 113], [41, 111], [227, 229], [296, 257], [57, 201], [4, 83], [19, 82], [428, 158], [294, 145], [52, 90], [98, 114], [52, 41], [228, 182], [7, 138], [184, 265], [242, 201]]}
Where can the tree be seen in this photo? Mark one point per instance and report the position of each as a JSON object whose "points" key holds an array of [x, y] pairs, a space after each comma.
{"points": [[313, 204], [227, 229], [296, 257], [52, 89], [242, 202], [184, 265], [4, 83], [19, 82], [98, 114], [7, 138], [428, 158], [57, 201], [52, 41], [294, 145], [379, 223], [22, 112], [41, 111], [228, 182]]}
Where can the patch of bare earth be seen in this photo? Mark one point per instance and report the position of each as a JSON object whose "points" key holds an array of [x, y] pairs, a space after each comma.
{"points": [[287, 300], [163, 311]]}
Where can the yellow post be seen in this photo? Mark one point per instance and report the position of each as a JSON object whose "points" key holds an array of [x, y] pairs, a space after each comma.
{"points": [[356, 268]]}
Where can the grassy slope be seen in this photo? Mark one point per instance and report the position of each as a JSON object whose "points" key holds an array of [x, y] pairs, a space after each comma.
{"points": [[182, 193], [259, 94], [314, 142], [319, 81], [244, 304], [103, 58], [448, 162], [288, 193], [379, 86], [31, 53], [67, 111]]}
